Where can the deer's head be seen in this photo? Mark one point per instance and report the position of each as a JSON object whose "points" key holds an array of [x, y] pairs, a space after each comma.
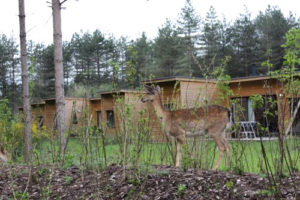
{"points": [[152, 94]]}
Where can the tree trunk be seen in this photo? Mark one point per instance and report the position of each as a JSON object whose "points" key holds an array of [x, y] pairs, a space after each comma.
{"points": [[25, 85], [59, 75]]}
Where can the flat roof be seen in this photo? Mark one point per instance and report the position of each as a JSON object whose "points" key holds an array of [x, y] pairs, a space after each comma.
{"points": [[201, 80], [178, 78], [251, 78], [66, 98], [95, 98], [121, 91]]}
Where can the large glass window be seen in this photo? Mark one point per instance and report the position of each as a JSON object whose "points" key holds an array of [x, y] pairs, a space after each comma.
{"points": [[74, 120], [266, 116], [110, 118]]}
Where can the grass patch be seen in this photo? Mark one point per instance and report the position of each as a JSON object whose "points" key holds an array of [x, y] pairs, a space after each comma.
{"points": [[246, 156]]}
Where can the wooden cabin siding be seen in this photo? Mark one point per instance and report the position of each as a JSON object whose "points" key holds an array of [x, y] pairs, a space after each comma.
{"points": [[261, 87], [170, 94], [107, 104], [47, 110], [95, 106], [49, 114], [78, 106], [196, 93]]}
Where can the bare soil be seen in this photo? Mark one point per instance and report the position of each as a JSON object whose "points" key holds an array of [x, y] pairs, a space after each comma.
{"points": [[152, 183]]}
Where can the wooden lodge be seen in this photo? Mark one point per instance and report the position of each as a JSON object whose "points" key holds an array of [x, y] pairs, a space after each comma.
{"points": [[43, 113], [179, 92], [104, 110]]}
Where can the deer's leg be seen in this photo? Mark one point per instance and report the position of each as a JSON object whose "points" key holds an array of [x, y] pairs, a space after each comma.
{"points": [[227, 148], [221, 148], [221, 153], [178, 154], [180, 139]]}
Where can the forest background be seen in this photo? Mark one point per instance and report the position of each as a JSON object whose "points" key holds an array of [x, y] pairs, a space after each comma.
{"points": [[187, 47]]}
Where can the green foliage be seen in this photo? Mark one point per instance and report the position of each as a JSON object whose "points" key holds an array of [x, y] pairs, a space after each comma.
{"points": [[21, 195], [229, 185], [68, 180], [187, 158], [180, 189], [167, 55], [80, 90], [257, 101], [11, 133], [211, 40], [223, 81], [269, 192], [292, 48]]}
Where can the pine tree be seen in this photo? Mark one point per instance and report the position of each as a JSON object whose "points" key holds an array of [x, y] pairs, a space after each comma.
{"points": [[138, 60], [211, 41], [244, 40], [168, 52], [188, 28], [272, 27]]}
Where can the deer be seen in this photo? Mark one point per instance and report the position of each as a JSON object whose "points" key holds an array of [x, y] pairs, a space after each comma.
{"points": [[213, 120]]}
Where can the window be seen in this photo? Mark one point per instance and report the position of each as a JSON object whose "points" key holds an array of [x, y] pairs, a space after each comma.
{"points": [[110, 118], [243, 111], [240, 108], [267, 116], [99, 118], [74, 120]]}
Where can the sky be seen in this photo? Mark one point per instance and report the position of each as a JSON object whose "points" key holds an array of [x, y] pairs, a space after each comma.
{"points": [[120, 17]]}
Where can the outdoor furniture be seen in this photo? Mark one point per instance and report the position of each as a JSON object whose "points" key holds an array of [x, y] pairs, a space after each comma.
{"points": [[247, 129]]}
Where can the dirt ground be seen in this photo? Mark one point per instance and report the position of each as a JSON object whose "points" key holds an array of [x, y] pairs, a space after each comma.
{"points": [[152, 183]]}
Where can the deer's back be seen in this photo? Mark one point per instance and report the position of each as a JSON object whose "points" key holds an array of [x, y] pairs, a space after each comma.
{"points": [[203, 116]]}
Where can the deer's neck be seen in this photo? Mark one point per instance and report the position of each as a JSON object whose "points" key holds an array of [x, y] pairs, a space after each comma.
{"points": [[161, 113]]}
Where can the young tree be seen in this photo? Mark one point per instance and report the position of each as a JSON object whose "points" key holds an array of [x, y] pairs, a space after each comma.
{"points": [[291, 65], [26, 102]]}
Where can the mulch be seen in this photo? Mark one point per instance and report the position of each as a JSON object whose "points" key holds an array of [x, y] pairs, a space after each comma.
{"points": [[152, 183]]}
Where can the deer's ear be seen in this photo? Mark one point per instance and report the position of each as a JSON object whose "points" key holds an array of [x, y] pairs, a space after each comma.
{"points": [[148, 89], [157, 88]]}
